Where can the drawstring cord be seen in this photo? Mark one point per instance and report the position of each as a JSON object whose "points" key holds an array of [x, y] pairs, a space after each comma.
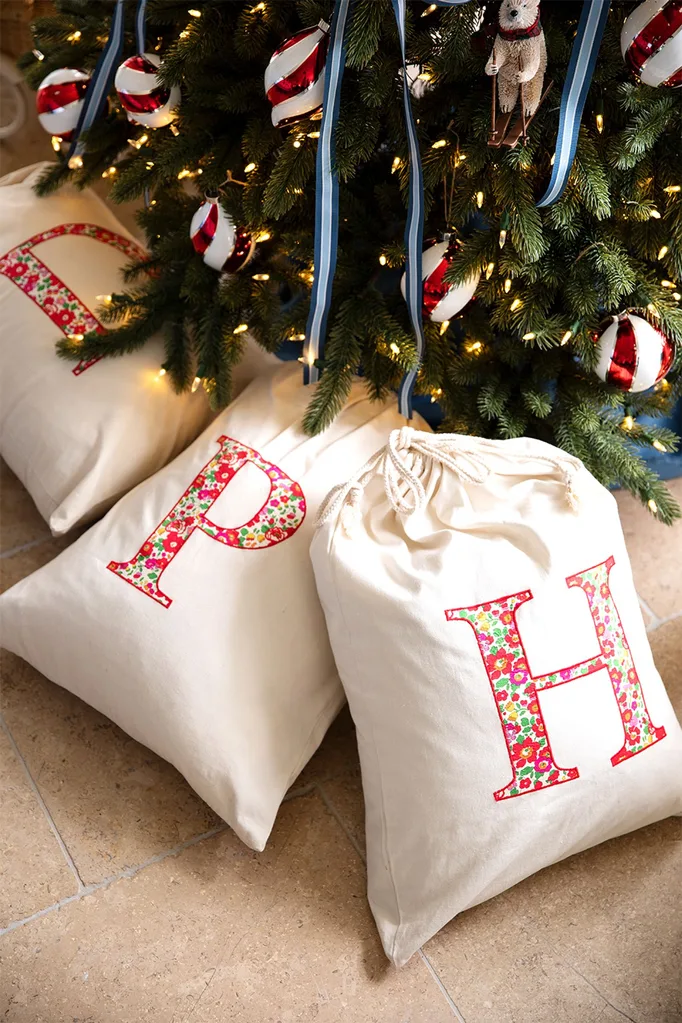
{"points": [[404, 458]]}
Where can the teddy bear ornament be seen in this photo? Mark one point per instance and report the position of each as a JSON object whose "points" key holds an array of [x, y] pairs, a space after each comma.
{"points": [[517, 66]]}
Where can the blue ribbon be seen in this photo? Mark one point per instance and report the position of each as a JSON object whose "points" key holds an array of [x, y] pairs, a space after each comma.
{"points": [[578, 78], [100, 83], [326, 196], [414, 226], [140, 24]]}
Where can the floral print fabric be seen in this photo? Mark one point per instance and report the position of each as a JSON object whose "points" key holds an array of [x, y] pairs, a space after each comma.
{"points": [[278, 519], [54, 297], [516, 690]]}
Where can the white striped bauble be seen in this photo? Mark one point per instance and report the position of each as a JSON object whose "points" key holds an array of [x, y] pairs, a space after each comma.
{"points": [[440, 300], [651, 41], [145, 99], [294, 78], [633, 355], [60, 99], [215, 237]]}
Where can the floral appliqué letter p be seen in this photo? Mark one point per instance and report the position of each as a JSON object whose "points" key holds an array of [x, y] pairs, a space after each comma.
{"points": [[278, 519]]}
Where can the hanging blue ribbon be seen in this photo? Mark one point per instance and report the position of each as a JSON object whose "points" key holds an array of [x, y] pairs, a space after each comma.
{"points": [[140, 24], [414, 226], [326, 196], [100, 83], [576, 87]]}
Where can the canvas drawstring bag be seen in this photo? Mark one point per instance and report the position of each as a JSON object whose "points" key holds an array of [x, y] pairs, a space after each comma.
{"points": [[484, 622]]}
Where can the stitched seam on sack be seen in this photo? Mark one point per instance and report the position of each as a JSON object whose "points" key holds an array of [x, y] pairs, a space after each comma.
{"points": [[384, 827]]}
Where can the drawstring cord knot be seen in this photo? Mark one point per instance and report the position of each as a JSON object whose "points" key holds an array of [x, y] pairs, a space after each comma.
{"points": [[406, 456]]}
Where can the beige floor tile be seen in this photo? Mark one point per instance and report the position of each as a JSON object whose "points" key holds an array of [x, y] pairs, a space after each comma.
{"points": [[115, 802], [222, 935], [655, 552], [601, 928], [344, 795], [20, 522], [666, 644], [33, 871], [499, 971]]}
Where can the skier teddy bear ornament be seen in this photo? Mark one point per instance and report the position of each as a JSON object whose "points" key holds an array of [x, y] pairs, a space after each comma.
{"points": [[519, 57]]}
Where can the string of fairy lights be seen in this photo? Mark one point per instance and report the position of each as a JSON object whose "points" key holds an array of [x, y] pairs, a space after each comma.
{"points": [[297, 140]]}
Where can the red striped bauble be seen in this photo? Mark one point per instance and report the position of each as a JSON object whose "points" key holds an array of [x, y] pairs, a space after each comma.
{"points": [[441, 300], [633, 355], [60, 99], [651, 41], [222, 245], [294, 78], [145, 99]]}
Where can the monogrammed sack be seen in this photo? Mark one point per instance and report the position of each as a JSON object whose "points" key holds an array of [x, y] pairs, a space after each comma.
{"points": [[189, 614], [79, 435], [485, 626]]}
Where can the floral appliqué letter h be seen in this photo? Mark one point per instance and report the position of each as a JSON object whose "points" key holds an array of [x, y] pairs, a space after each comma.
{"points": [[278, 519], [516, 690]]}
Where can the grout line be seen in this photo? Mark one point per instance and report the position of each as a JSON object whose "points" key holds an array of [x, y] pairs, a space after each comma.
{"points": [[122, 875], [337, 817], [129, 872], [655, 620], [26, 546], [304, 790], [43, 805], [664, 621], [443, 990], [339, 820]]}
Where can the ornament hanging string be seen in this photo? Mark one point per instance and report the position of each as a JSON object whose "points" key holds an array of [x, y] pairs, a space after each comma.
{"points": [[326, 196]]}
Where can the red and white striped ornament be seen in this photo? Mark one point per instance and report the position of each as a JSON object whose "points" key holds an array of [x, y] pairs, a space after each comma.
{"points": [[440, 300], [651, 41], [145, 99], [294, 78], [215, 237], [60, 99], [633, 355]]}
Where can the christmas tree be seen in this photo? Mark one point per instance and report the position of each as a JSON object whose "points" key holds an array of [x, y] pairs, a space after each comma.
{"points": [[520, 358]]}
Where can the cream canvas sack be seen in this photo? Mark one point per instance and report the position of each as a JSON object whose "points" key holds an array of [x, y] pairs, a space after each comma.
{"points": [[189, 614], [486, 629], [79, 435]]}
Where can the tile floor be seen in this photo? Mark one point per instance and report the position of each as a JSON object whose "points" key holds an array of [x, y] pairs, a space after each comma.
{"points": [[123, 898]]}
